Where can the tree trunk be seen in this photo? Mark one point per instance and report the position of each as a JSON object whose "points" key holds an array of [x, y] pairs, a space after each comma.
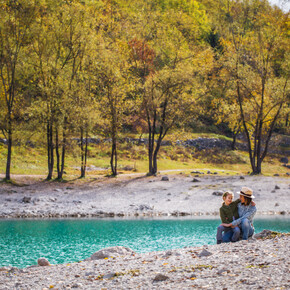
{"points": [[86, 154], [83, 168], [113, 161], [57, 154], [50, 160], [9, 153], [154, 169], [151, 144], [233, 145], [63, 149]]}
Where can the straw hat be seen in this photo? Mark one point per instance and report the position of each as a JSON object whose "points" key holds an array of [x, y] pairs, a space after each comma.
{"points": [[247, 192]]}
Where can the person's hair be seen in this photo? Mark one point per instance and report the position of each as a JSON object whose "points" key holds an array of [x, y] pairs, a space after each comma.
{"points": [[226, 194], [248, 200]]}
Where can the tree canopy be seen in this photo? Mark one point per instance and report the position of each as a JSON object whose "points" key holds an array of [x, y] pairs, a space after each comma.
{"points": [[78, 67]]}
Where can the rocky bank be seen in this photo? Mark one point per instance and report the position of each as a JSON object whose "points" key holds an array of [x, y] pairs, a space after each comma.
{"points": [[253, 264], [138, 195]]}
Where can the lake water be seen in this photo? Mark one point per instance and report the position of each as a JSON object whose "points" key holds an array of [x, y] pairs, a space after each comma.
{"points": [[22, 242]]}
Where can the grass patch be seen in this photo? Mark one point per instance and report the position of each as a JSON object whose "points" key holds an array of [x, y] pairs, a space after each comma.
{"points": [[134, 158]]}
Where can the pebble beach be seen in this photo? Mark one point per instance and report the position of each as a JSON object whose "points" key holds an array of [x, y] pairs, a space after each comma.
{"points": [[253, 264]]}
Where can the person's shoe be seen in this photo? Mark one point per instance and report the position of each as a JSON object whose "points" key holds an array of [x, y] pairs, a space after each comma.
{"points": [[219, 242]]}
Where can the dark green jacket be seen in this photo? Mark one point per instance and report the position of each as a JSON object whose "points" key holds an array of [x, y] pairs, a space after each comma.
{"points": [[227, 212]]}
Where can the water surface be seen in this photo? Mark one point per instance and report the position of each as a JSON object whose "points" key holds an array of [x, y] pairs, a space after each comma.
{"points": [[22, 242]]}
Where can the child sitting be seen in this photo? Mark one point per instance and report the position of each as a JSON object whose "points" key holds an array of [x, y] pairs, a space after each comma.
{"points": [[228, 213]]}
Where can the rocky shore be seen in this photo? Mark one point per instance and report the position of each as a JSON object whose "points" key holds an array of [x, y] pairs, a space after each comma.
{"points": [[129, 196], [254, 264]]}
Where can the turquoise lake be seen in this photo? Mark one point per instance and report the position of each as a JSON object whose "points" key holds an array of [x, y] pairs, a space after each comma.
{"points": [[22, 242]]}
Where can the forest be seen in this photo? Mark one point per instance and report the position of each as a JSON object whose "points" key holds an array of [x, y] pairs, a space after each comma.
{"points": [[74, 69]]}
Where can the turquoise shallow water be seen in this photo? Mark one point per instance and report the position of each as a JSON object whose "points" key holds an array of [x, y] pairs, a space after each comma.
{"points": [[22, 242]]}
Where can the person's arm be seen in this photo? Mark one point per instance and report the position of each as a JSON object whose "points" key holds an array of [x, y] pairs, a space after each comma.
{"points": [[236, 202], [249, 215], [223, 216]]}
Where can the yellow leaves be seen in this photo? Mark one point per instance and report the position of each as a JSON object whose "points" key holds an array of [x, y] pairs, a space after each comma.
{"points": [[51, 286]]}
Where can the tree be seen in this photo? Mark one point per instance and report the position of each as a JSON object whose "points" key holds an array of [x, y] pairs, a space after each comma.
{"points": [[256, 58], [16, 20], [58, 49]]}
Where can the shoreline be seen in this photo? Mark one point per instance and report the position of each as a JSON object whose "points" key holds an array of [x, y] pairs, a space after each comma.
{"points": [[140, 197], [149, 197], [110, 216]]}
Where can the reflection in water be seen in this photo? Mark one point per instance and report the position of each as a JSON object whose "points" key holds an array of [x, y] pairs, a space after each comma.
{"points": [[61, 241]]}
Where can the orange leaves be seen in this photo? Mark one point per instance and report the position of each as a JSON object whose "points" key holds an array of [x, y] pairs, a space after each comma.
{"points": [[141, 51]]}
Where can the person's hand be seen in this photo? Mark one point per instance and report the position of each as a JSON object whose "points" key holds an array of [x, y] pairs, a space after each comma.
{"points": [[226, 225], [253, 203]]}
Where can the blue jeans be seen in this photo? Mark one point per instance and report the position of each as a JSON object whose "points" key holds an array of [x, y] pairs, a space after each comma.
{"points": [[219, 234], [231, 235], [246, 228]]}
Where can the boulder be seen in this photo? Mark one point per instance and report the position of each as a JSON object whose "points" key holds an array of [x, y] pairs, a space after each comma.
{"points": [[265, 234], [284, 160], [111, 252], [43, 262]]}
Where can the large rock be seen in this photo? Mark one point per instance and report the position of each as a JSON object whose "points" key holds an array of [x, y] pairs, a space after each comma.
{"points": [[111, 252], [265, 234], [42, 262], [284, 160]]}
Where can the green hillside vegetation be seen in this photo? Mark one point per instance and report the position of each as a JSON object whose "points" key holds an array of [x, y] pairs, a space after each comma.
{"points": [[164, 70]]}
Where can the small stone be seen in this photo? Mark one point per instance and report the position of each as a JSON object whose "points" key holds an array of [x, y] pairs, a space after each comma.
{"points": [[160, 277], [242, 177], [164, 178], [111, 252], [277, 187], [218, 193], [276, 174], [77, 285], [223, 271], [195, 180], [109, 276], [42, 262], [26, 199], [276, 204], [204, 253]]}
